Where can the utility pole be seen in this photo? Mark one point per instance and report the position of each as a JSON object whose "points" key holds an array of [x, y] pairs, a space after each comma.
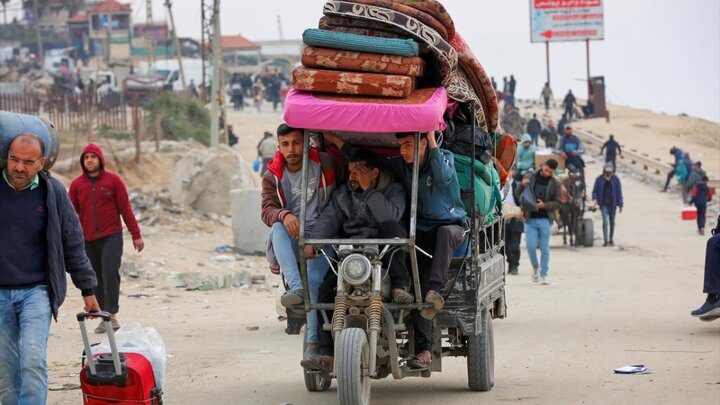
{"points": [[176, 44], [216, 97], [37, 32], [280, 30], [149, 37], [4, 3]]}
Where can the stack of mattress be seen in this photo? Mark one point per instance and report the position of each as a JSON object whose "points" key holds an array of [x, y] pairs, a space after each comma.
{"points": [[344, 63], [401, 52]]}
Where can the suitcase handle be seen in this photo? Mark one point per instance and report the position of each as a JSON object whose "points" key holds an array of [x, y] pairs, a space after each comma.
{"points": [[111, 338]]}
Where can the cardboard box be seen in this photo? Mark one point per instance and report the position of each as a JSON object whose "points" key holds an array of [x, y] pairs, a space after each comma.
{"points": [[689, 213], [542, 156]]}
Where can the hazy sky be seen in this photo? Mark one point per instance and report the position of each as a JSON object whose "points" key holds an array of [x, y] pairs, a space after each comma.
{"points": [[663, 55]]}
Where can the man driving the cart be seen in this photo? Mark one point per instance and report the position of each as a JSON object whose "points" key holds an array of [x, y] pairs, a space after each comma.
{"points": [[441, 223], [281, 202], [371, 205]]}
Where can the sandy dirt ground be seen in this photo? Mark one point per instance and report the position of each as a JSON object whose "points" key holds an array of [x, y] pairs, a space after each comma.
{"points": [[605, 308]]}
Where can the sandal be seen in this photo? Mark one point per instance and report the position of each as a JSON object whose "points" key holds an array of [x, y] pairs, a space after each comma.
{"points": [[421, 361], [400, 296], [437, 302]]}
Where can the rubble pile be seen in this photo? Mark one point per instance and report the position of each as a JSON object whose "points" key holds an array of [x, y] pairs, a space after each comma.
{"points": [[202, 179]]}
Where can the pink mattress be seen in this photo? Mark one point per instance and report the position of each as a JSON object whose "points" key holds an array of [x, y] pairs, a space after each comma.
{"points": [[422, 111]]}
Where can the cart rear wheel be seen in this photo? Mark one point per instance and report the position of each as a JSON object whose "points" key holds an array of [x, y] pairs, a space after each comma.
{"points": [[587, 235], [481, 356], [315, 380], [353, 359]]}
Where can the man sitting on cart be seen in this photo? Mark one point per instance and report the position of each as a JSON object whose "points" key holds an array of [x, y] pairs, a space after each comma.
{"points": [[441, 223], [281, 198], [371, 205]]}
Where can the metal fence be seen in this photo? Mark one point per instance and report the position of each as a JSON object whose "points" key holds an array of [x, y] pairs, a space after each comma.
{"points": [[71, 111]]}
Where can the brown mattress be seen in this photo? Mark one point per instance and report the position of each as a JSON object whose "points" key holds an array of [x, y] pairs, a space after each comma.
{"points": [[362, 84], [325, 58]]}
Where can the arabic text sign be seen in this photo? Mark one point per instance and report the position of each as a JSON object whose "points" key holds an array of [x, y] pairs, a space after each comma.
{"points": [[566, 20]]}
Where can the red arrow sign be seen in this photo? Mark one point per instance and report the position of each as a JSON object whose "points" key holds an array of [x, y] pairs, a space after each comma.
{"points": [[578, 33]]}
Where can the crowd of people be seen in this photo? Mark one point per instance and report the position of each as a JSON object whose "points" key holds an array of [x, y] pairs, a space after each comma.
{"points": [[693, 183], [522, 216], [267, 85]]}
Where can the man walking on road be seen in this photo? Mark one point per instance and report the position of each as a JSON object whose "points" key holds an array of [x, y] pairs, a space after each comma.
{"points": [[534, 127], [100, 199], [40, 241], [612, 150], [678, 155], [700, 196], [607, 194], [546, 95], [569, 102], [546, 191]]}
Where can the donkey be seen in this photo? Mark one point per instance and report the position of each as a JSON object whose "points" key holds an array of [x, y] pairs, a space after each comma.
{"points": [[572, 193]]}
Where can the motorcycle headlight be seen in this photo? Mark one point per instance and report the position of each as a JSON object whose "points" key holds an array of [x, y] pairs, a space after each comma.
{"points": [[355, 269]]}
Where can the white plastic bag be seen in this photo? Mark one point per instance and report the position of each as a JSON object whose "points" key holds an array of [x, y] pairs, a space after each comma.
{"points": [[133, 338]]}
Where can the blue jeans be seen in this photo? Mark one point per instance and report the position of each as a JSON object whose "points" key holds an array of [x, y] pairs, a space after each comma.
{"points": [[286, 248], [608, 217], [24, 327], [537, 231]]}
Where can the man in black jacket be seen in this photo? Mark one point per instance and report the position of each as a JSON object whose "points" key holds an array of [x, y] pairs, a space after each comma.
{"points": [[371, 205], [41, 239], [534, 127], [612, 150]]}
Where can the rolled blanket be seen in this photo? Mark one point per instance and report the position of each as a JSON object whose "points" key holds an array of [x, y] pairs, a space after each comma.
{"points": [[435, 9], [360, 43], [419, 15], [479, 80], [366, 84], [362, 62], [371, 28]]}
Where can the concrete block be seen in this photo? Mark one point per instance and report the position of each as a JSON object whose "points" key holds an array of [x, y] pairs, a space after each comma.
{"points": [[249, 232]]}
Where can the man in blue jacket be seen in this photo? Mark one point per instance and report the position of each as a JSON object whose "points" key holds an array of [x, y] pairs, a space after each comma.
{"points": [[607, 193], [41, 239], [441, 223]]}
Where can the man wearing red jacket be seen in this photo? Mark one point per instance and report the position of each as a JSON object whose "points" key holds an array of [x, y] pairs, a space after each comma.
{"points": [[100, 199]]}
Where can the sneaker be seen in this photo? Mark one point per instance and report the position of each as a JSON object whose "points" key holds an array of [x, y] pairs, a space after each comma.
{"points": [[513, 271], [115, 324], [701, 231], [290, 298], [401, 296], [611, 243], [437, 302], [606, 244], [544, 280], [535, 275], [101, 328], [708, 311]]}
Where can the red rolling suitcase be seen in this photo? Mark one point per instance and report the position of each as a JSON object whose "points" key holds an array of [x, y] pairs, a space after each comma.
{"points": [[115, 378]]}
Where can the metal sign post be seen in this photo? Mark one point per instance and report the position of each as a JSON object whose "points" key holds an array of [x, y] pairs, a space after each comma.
{"points": [[567, 20], [547, 61]]}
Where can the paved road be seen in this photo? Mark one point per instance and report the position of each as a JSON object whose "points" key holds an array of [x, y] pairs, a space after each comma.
{"points": [[605, 308]]}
